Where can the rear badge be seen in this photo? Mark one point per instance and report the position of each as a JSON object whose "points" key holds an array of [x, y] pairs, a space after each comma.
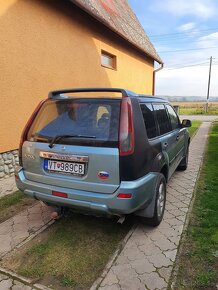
{"points": [[103, 175]]}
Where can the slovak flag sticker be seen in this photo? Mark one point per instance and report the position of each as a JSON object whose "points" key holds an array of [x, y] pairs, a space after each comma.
{"points": [[103, 175]]}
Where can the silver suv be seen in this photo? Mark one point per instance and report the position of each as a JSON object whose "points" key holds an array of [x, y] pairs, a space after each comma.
{"points": [[103, 151]]}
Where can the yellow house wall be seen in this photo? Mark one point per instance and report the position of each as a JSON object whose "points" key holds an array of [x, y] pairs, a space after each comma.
{"points": [[47, 45]]}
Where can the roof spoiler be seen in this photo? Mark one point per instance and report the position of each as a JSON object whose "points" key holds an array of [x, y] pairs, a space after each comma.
{"points": [[59, 93]]}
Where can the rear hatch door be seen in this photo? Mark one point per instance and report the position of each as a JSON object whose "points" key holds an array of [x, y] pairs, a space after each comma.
{"points": [[73, 143]]}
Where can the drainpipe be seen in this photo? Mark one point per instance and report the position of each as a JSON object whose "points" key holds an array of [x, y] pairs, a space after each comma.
{"points": [[154, 76]]}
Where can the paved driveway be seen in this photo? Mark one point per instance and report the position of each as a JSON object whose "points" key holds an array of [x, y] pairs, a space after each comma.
{"points": [[147, 259]]}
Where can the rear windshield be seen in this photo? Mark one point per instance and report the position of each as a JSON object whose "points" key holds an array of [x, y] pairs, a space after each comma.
{"points": [[90, 122]]}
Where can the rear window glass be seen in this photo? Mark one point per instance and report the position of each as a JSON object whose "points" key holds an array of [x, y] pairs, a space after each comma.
{"points": [[162, 119], [90, 121]]}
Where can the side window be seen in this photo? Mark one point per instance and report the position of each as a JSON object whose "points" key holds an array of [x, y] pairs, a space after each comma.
{"points": [[148, 115], [162, 119], [173, 117]]}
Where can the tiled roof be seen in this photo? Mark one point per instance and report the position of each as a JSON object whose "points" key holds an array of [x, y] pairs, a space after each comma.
{"points": [[119, 17]]}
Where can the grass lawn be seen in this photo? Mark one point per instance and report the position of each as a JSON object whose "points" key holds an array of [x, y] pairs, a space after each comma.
{"points": [[13, 203], [72, 253], [194, 127], [197, 108], [198, 263]]}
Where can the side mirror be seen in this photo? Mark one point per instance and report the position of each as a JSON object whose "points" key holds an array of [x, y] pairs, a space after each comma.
{"points": [[186, 123]]}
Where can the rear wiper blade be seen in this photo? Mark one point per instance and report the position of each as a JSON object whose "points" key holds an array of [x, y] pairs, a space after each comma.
{"points": [[57, 138]]}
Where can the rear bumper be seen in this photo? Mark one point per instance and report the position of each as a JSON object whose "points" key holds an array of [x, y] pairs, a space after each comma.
{"points": [[141, 189]]}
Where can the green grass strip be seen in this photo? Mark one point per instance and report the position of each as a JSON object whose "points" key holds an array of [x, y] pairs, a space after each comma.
{"points": [[199, 260], [11, 199], [195, 125]]}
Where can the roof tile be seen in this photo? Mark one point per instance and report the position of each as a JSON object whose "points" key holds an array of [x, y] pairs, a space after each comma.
{"points": [[119, 17]]}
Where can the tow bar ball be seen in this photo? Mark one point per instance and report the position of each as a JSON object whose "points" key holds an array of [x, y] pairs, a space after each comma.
{"points": [[58, 213]]}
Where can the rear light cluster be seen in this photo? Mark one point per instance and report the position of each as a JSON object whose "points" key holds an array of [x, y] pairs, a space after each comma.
{"points": [[26, 130], [126, 132]]}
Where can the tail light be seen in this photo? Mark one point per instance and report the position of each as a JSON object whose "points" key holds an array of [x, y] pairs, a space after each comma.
{"points": [[26, 130], [126, 133], [60, 194], [124, 195]]}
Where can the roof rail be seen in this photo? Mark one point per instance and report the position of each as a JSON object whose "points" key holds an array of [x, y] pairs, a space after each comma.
{"points": [[125, 93]]}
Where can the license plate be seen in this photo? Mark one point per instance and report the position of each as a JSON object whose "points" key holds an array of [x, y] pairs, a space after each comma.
{"points": [[64, 167]]}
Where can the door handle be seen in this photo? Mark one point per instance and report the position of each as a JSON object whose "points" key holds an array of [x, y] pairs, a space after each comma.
{"points": [[165, 145], [177, 138]]}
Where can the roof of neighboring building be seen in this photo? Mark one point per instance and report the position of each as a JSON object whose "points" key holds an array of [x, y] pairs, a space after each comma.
{"points": [[119, 17]]}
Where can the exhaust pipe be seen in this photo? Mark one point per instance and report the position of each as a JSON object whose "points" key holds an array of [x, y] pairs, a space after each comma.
{"points": [[121, 219]]}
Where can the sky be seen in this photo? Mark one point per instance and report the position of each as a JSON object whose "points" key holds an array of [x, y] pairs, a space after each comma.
{"points": [[185, 35]]}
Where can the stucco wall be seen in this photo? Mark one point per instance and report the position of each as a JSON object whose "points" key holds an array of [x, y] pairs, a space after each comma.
{"points": [[47, 45]]}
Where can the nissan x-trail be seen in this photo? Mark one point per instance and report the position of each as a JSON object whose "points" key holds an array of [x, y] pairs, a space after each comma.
{"points": [[102, 151]]}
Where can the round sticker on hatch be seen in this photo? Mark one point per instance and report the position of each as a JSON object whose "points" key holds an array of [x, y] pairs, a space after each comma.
{"points": [[103, 175]]}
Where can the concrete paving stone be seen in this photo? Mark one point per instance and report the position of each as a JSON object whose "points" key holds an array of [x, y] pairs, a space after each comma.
{"points": [[170, 207], [168, 232], [168, 215], [41, 287], [175, 239], [163, 225], [175, 221], [5, 242], [6, 284], [18, 237], [150, 249], [122, 260], [131, 283], [142, 240], [153, 281], [35, 209], [131, 243], [164, 244], [165, 272], [35, 216], [159, 260], [142, 266], [20, 227], [20, 286], [5, 228], [174, 199], [20, 219], [7, 186], [124, 272], [180, 204], [178, 228], [112, 287], [3, 277], [171, 254], [185, 198], [154, 235], [181, 218], [110, 279], [132, 253]]}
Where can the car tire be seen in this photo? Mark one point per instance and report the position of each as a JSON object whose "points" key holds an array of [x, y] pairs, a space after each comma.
{"points": [[184, 162], [160, 201]]}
